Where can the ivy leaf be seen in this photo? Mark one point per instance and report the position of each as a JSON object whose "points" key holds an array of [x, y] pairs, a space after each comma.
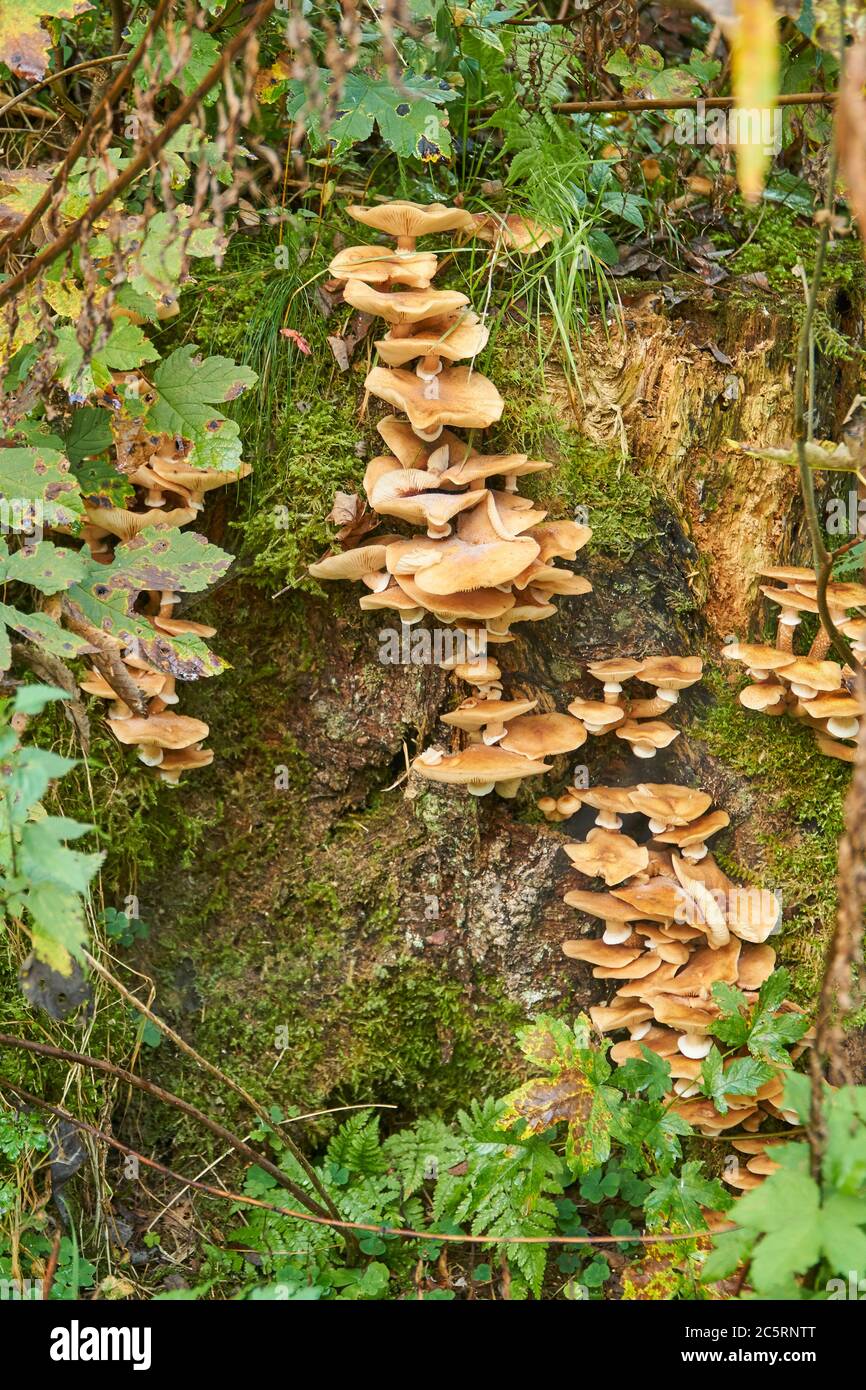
{"points": [[24, 44], [46, 567], [677, 1198], [41, 476], [188, 387]]}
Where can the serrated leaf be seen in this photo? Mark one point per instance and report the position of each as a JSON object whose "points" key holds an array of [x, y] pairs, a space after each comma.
{"points": [[24, 43], [58, 925], [44, 632], [46, 567], [32, 699], [89, 434], [203, 52], [164, 557], [408, 118], [41, 476], [188, 388], [677, 1198]]}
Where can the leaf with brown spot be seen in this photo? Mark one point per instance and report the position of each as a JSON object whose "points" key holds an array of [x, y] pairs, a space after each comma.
{"points": [[24, 43]]}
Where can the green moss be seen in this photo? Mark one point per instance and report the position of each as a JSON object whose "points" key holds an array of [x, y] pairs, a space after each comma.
{"points": [[798, 810]]}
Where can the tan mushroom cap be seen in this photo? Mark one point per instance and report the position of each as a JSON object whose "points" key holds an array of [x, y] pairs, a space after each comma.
{"points": [[503, 516], [696, 831], [814, 675], [405, 493], [393, 597], [660, 900], [838, 704], [839, 594], [543, 735], [402, 306], [669, 802], [350, 564], [407, 220], [648, 964], [757, 655], [177, 627], [478, 467], [756, 965], [483, 605], [671, 672], [703, 1115], [454, 336], [790, 598], [379, 265], [648, 734], [622, 1013], [609, 855], [125, 524], [753, 913], [608, 907], [562, 539], [183, 760], [523, 234], [561, 583], [789, 574], [180, 474], [595, 952], [479, 764], [413, 452], [454, 566], [845, 752], [528, 608], [474, 714], [158, 732], [463, 397], [614, 799], [766, 696], [615, 669], [703, 883], [148, 682], [596, 715]]}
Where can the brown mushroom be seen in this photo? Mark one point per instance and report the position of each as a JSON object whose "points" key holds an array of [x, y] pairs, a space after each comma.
{"points": [[157, 733], [608, 854], [648, 737], [479, 768]]}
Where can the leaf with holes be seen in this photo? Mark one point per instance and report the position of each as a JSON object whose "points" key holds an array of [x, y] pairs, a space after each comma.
{"points": [[409, 117], [39, 479], [46, 567]]}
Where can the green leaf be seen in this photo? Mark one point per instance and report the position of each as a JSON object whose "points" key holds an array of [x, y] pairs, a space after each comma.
{"points": [[731, 1248], [32, 699], [89, 434], [41, 475], [164, 557], [25, 44], [58, 925], [742, 1077], [204, 51], [46, 567], [677, 1198], [650, 1073], [44, 632], [188, 387], [408, 118]]}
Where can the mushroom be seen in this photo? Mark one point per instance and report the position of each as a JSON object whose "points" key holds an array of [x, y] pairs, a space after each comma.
{"points": [[668, 805], [759, 659], [562, 539], [669, 675], [451, 566], [610, 802], [809, 678], [405, 493], [407, 221], [150, 683], [839, 712], [457, 396], [366, 562], [157, 733], [403, 306], [117, 521], [378, 265], [522, 234], [766, 696], [174, 762], [614, 672], [691, 839], [609, 855], [792, 605], [487, 716], [543, 735], [453, 336], [648, 737], [479, 768], [598, 717], [180, 476]]}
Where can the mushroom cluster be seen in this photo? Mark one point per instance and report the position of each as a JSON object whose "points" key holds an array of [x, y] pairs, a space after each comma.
{"points": [[674, 926], [636, 720], [169, 491], [810, 688], [486, 558]]}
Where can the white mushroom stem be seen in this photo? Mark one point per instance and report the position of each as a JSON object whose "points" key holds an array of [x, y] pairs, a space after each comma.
{"points": [[480, 788], [150, 754], [658, 827], [508, 788], [843, 728], [493, 733], [648, 709], [686, 1089], [429, 368], [789, 618], [757, 676], [594, 728], [694, 853], [429, 435], [608, 820], [803, 692], [612, 689], [639, 1032], [511, 482], [643, 750], [615, 933], [694, 1045]]}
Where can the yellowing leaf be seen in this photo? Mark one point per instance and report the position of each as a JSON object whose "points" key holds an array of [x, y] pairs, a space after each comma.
{"points": [[24, 43], [755, 72]]}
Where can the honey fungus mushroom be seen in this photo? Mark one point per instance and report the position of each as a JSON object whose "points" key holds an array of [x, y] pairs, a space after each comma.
{"points": [[608, 854], [479, 768], [158, 733]]}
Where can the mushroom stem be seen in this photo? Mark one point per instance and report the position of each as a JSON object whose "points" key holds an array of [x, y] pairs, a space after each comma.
{"points": [[480, 788], [608, 820], [821, 645], [789, 618], [694, 1045], [649, 709]]}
